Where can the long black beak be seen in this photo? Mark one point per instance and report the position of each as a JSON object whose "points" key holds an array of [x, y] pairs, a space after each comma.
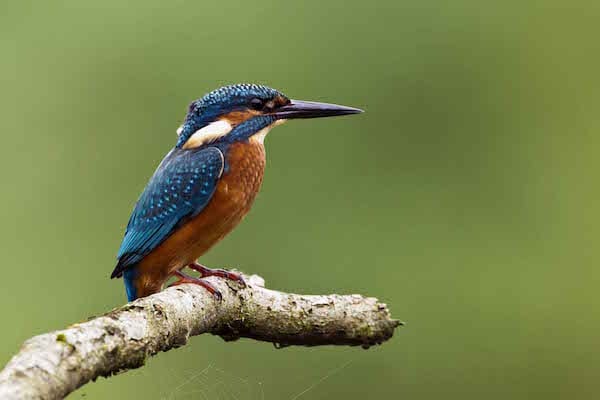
{"points": [[312, 109]]}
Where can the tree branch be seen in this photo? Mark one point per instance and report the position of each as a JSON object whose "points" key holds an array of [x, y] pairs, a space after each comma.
{"points": [[52, 365]]}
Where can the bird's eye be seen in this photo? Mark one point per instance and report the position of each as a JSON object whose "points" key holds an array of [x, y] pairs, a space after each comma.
{"points": [[256, 104]]}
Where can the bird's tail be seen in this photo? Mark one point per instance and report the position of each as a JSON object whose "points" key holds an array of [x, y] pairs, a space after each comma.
{"points": [[129, 277]]}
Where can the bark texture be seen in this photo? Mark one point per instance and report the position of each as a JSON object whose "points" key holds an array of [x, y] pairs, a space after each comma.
{"points": [[52, 365]]}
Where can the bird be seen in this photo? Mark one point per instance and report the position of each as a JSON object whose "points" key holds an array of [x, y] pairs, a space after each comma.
{"points": [[205, 185]]}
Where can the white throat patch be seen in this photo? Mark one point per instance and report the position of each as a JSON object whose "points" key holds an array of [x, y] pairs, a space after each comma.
{"points": [[259, 137]]}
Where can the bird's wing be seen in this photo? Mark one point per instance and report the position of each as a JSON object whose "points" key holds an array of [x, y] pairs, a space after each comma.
{"points": [[180, 188]]}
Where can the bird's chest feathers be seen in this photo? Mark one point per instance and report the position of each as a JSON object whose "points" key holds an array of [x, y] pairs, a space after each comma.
{"points": [[235, 192], [243, 176]]}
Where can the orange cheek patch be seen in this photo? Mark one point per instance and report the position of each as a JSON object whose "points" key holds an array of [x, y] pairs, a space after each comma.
{"points": [[237, 117], [281, 101]]}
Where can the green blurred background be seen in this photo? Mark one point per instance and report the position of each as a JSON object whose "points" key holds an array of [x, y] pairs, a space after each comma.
{"points": [[465, 197]]}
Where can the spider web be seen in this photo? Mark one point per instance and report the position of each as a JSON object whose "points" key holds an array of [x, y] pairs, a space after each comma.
{"points": [[212, 382]]}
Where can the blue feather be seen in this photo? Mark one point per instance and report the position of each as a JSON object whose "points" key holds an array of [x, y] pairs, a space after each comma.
{"points": [[181, 187]]}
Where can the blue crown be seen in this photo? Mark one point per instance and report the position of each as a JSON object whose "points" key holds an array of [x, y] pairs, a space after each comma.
{"points": [[231, 96]]}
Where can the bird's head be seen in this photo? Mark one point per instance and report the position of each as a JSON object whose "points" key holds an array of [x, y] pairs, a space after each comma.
{"points": [[245, 112]]}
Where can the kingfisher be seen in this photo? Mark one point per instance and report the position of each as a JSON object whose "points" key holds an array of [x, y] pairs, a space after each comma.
{"points": [[205, 186]]}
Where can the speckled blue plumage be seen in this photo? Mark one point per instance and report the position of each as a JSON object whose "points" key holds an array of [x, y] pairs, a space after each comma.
{"points": [[179, 189], [205, 110], [247, 128]]}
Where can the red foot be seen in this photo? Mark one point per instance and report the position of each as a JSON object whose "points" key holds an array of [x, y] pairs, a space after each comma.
{"points": [[204, 272], [183, 278]]}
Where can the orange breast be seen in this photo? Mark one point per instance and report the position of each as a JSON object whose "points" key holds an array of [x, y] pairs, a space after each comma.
{"points": [[231, 201]]}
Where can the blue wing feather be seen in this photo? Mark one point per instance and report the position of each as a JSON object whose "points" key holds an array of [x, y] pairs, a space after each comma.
{"points": [[181, 187]]}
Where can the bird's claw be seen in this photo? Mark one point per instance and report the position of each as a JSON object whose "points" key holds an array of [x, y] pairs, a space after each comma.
{"points": [[222, 273], [183, 278], [217, 295], [238, 278]]}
